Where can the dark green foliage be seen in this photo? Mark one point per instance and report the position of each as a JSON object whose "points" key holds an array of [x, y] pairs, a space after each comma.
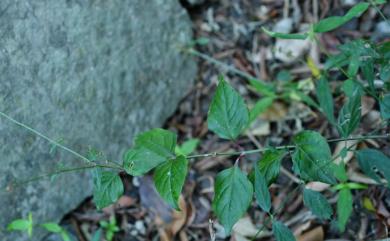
{"points": [[374, 164], [169, 179], [262, 194], [282, 232], [108, 187], [228, 115], [233, 195], [312, 157], [317, 203]]}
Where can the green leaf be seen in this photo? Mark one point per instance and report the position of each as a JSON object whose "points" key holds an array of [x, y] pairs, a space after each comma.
{"points": [[384, 105], [151, 149], [19, 225], [187, 147], [282, 232], [260, 106], [233, 195], [328, 24], [350, 114], [337, 61], [262, 194], [159, 141], [344, 208], [325, 98], [52, 227], [368, 71], [353, 66], [312, 157], [228, 115], [97, 235], [340, 173], [139, 161], [373, 162], [22, 225], [169, 179], [269, 164], [301, 96], [108, 187], [262, 87], [331, 23], [317, 203], [385, 72], [302, 36], [65, 236]]}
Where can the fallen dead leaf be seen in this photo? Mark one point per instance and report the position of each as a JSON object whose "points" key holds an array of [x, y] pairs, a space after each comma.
{"points": [[316, 234], [317, 186], [339, 147], [275, 112], [245, 227]]}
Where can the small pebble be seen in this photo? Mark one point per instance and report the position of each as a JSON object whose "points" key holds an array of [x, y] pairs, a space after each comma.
{"points": [[139, 225], [383, 27]]}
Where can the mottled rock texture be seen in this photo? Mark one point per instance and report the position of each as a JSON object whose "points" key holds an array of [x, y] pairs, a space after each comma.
{"points": [[91, 73]]}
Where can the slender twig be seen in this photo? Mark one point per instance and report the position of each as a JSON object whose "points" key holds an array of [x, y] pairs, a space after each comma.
{"points": [[287, 147], [379, 11], [60, 171], [56, 143], [222, 65]]}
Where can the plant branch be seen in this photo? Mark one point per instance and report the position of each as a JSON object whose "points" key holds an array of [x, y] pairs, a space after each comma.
{"points": [[60, 171], [56, 143], [286, 147]]}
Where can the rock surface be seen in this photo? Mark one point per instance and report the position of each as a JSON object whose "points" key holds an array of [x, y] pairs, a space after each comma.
{"points": [[90, 73]]}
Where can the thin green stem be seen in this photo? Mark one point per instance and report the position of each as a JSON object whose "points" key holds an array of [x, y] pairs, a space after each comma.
{"points": [[61, 171], [286, 147], [379, 11], [272, 216], [56, 143]]}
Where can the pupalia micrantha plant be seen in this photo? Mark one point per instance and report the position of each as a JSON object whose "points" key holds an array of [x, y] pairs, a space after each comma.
{"points": [[366, 68]]}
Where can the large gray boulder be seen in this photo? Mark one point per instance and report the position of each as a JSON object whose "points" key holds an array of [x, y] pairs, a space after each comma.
{"points": [[91, 73]]}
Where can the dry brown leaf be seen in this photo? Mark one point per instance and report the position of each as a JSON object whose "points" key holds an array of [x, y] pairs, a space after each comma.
{"points": [[348, 144], [179, 218], [260, 128], [183, 236], [316, 234], [317, 186], [245, 227], [367, 104], [275, 112]]}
